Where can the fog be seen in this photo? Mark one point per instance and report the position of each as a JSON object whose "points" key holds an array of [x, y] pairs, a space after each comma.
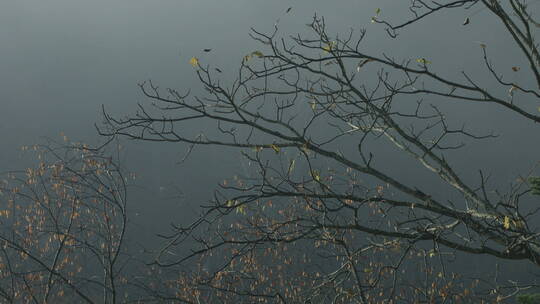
{"points": [[62, 60]]}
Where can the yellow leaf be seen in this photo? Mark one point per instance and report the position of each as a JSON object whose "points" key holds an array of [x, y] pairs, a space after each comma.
{"points": [[194, 61], [378, 11], [304, 148], [316, 175], [241, 209], [291, 166], [423, 61], [276, 148], [506, 223], [258, 54], [329, 46]]}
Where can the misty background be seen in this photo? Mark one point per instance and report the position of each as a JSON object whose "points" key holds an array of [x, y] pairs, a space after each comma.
{"points": [[61, 60]]}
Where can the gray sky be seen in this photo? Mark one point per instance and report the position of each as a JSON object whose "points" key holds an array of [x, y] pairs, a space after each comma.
{"points": [[60, 60]]}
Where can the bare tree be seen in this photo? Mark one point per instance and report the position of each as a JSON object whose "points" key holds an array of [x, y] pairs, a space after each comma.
{"points": [[63, 226], [321, 218]]}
